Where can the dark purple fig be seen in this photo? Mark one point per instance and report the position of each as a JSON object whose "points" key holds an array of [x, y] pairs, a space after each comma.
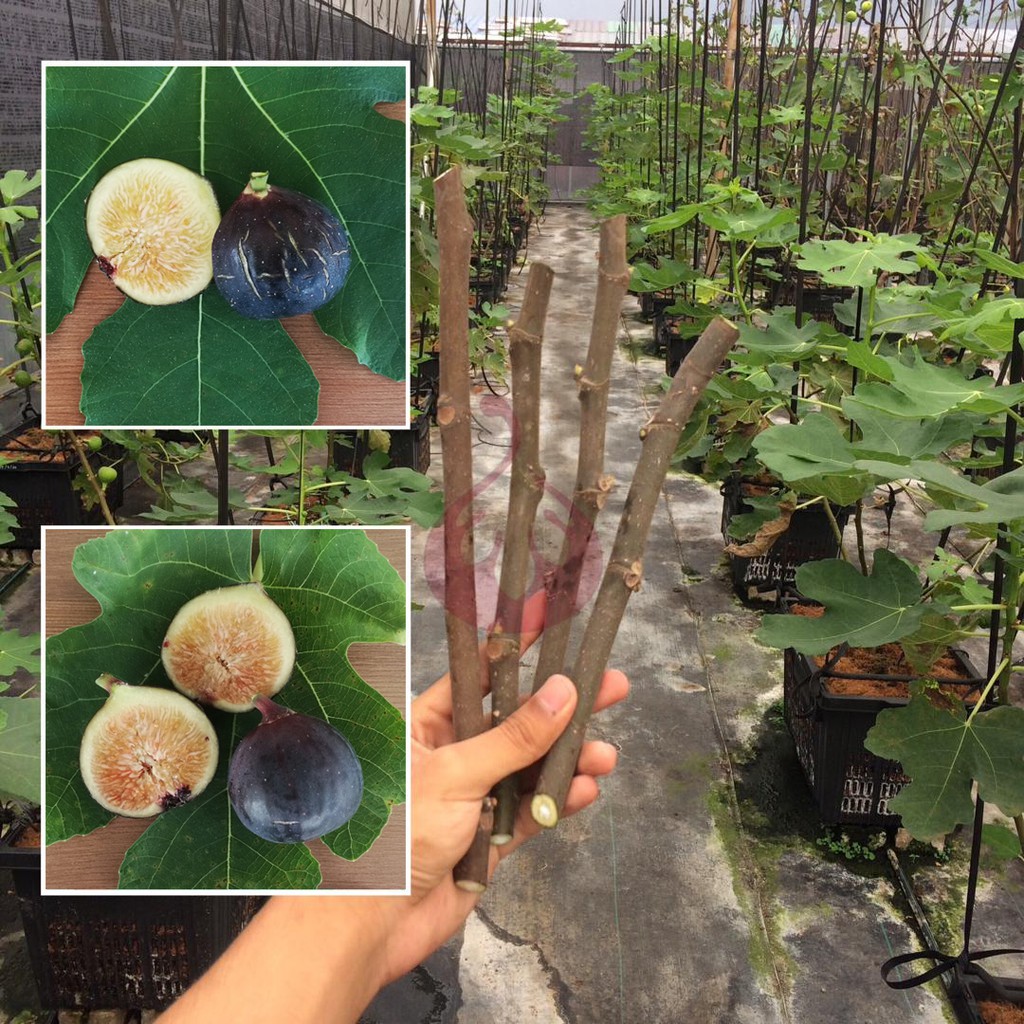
{"points": [[293, 777], [278, 253]]}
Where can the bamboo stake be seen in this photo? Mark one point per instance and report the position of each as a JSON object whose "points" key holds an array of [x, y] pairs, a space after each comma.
{"points": [[525, 490], [624, 571], [592, 486], [455, 240]]}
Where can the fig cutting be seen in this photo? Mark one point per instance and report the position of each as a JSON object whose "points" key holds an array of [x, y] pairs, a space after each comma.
{"points": [[278, 253], [293, 777], [151, 225], [227, 646], [146, 750]]}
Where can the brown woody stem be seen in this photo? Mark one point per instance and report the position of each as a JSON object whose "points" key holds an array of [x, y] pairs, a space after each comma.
{"points": [[455, 240], [525, 490], [592, 486], [625, 569]]}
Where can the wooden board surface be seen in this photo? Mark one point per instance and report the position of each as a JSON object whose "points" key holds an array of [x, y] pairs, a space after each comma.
{"points": [[350, 394], [92, 861]]}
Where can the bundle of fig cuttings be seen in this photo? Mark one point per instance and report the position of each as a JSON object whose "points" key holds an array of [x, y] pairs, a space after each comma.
{"points": [[624, 570]]}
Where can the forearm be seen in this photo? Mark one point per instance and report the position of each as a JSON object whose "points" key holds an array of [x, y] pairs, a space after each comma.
{"points": [[315, 959]]}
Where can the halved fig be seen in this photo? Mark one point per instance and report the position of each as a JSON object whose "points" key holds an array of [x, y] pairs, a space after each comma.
{"points": [[293, 777], [151, 224], [278, 253], [227, 646], [146, 750]]}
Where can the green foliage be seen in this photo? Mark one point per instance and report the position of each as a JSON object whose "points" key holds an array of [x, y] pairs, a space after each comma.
{"points": [[223, 122], [140, 579], [858, 264], [944, 749], [864, 611], [840, 844]]}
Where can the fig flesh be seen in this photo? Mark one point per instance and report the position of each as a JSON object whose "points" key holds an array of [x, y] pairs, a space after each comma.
{"points": [[146, 750], [293, 777], [278, 253], [227, 646], [151, 225]]}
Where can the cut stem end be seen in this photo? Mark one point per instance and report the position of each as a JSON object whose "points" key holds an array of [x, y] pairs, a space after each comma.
{"points": [[544, 811]]}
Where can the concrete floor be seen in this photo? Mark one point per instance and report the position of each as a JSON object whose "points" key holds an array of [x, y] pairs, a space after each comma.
{"points": [[694, 891]]}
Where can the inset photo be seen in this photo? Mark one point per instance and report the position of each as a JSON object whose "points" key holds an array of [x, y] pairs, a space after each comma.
{"points": [[225, 709], [225, 245]]}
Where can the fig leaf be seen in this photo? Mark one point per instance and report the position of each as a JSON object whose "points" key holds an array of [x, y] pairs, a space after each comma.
{"points": [[335, 588], [865, 611], [314, 129], [19, 746], [948, 749]]}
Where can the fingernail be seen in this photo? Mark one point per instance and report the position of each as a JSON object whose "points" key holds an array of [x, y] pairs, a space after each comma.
{"points": [[555, 694]]}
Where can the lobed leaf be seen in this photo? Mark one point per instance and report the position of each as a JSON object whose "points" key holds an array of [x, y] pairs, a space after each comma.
{"points": [[864, 611], [944, 750], [335, 588]]}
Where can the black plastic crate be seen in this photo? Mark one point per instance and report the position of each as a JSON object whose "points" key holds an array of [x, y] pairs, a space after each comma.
{"points": [[43, 488], [667, 338], [972, 990], [123, 952], [808, 538], [850, 785]]}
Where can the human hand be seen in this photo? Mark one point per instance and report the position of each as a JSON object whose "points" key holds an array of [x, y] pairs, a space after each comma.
{"points": [[450, 781]]}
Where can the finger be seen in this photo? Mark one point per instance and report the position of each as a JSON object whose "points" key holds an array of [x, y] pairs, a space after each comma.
{"points": [[597, 758], [524, 737], [437, 698], [614, 688], [583, 791]]}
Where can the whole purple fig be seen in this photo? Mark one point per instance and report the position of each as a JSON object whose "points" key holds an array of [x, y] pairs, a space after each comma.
{"points": [[293, 777], [278, 253]]}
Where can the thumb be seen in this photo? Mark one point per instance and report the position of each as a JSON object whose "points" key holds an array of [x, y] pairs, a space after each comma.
{"points": [[522, 739]]}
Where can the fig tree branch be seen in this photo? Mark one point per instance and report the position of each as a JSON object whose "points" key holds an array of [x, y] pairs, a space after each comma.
{"points": [[592, 486], [526, 487], [455, 240], [624, 571]]}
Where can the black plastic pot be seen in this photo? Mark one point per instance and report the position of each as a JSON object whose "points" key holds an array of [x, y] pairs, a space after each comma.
{"points": [[850, 785], [668, 340], [970, 990], [120, 952], [808, 538]]}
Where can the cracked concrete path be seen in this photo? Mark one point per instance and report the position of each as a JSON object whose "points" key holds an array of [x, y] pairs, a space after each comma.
{"points": [[659, 905]]}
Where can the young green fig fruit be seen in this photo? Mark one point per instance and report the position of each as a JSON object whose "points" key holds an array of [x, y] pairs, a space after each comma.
{"points": [[227, 646], [151, 225], [146, 750]]}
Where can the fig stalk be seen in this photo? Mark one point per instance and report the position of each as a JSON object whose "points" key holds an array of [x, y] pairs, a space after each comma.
{"points": [[624, 572], [455, 239], [592, 486], [525, 490]]}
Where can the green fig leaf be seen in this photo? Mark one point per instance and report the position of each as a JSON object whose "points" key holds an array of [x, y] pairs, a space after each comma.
{"points": [[17, 651], [864, 611], [858, 264], [813, 457], [896, 438], [921, 390], [225, 370], [20, 743], [943, 750], [781, 339], [335, 588], [316, 131]]}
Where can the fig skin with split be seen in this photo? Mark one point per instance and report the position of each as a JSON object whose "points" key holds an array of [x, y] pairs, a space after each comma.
{"points": [[229, 645], [293, 777], [146, 750], [278, 253]]}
